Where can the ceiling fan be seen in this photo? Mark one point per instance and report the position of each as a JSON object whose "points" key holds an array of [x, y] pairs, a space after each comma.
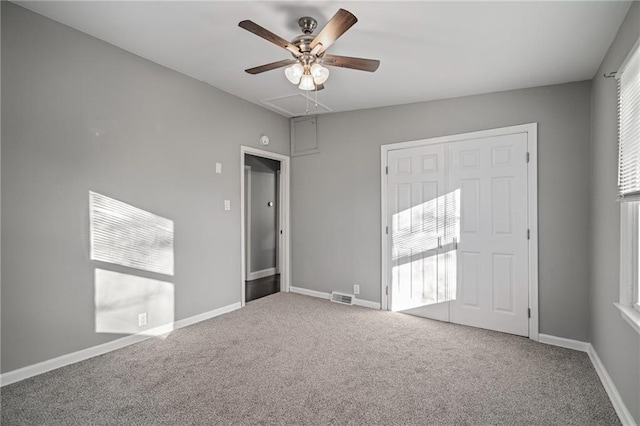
{"points": [[306, 69]]}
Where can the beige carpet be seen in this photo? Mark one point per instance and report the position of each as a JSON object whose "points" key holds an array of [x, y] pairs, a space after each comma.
{"points": [[291, 359]]}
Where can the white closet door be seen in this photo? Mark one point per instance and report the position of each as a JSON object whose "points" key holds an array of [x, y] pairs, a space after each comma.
{"points": [[416, 185], [457, 239], [492, 288]]}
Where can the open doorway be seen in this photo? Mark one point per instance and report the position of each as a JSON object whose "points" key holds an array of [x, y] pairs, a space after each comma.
{"points": [[261, 192], [264, 223]]}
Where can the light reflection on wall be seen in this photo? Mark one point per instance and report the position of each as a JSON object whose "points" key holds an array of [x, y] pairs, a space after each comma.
{"points": [[423, 250], [129, 236], [120, 298]]}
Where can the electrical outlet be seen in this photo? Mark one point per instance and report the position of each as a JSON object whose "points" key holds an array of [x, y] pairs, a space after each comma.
{"points": [[142, 319], [356, 289]]}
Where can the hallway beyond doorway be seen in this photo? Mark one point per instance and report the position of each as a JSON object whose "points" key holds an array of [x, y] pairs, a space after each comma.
{"points": [[262, 287]]}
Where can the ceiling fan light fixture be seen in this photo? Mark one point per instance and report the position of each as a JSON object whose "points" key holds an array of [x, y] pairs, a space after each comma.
{"points": [[294, 73], [309, 51], [306, 82], [319, 73]]}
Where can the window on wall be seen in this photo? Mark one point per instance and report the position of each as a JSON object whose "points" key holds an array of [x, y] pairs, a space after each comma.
{"points": [[629, 185], [630, 253], [636, 255]]}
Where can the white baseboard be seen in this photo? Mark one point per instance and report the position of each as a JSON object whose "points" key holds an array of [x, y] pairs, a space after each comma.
{"points": [[321, 295], [261, 274], [616, 400], [576, 345], [52, 364], [311, 293], [618, 404], [366, 303], [206, 315]]}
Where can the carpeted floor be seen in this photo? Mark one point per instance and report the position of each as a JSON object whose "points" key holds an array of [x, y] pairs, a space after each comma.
{"points": [[292, 359]]}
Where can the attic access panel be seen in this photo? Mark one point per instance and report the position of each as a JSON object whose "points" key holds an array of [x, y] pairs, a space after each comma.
{"points": [[295, 105], [304, 136]]}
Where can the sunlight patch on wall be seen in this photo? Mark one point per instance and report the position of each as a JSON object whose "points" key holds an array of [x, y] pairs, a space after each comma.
{"points": [[120, 299], [129, 236], [424, 243]]}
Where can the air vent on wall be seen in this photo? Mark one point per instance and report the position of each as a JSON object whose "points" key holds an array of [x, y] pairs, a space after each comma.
{"points": [[345, 299]]}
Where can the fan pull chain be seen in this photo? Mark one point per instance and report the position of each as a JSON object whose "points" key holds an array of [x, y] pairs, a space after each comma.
{"points": [[307, 112], [316, 96]]}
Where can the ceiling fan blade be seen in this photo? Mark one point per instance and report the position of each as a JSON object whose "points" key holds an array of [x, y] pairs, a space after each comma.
{"points": [[256, 29], [271, 66], [338, 25], [319, 87], [348, 62]]}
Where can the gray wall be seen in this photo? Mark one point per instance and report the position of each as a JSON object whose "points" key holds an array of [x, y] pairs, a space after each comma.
{"points": [[263, 241], [616, 343], [336, 193], [78, 115]]}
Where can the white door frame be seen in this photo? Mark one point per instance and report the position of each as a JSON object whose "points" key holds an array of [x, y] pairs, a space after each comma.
{"points": [[532, 185], [247, 219], [285, 237]]}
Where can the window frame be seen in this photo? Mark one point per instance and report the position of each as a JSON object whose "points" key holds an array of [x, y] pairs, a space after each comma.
{"points": [[630, 263], [635, 254], [633, 237], [629, 298]]}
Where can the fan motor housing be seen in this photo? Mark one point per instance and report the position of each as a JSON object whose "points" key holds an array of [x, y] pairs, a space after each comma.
{"points": [[307, 24], [303, 42]]}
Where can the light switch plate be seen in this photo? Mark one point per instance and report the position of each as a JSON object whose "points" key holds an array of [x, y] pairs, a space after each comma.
{"points": [[218, 168], [227, 204]]}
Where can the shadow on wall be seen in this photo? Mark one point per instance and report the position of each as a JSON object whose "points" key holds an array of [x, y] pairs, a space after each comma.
{"points": [[134, 238]]}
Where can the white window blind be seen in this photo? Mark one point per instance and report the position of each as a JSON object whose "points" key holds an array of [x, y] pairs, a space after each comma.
{"points": [[629, 126]]}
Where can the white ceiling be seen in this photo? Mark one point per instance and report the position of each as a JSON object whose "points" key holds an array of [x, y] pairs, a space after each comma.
{"points": [[428, 50]]}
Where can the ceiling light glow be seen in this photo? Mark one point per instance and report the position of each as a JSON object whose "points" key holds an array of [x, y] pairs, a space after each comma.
{"points": [[319, 73], [306, 82], [294, 73]]}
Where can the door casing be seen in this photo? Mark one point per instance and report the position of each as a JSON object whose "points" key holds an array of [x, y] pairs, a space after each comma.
{"points": [[284, 253], [531, 129]]}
